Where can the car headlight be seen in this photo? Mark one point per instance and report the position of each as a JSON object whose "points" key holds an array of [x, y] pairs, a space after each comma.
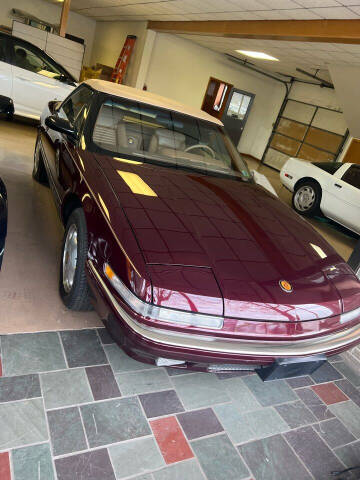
{"points": [[178, 317]]}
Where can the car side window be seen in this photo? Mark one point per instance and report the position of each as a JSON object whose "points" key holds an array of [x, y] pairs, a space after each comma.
{"points": [[27, 58], [352, 176], [3, 49], [76, 106]]}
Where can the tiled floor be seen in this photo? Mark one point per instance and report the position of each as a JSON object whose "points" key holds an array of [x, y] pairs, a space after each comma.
{"points": [[73, 406]]}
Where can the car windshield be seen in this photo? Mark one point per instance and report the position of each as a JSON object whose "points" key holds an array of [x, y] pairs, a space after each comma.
{"points": [[168, 137]]}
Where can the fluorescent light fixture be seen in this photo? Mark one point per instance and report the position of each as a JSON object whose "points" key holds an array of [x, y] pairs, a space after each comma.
{"points": [[258, 55]]}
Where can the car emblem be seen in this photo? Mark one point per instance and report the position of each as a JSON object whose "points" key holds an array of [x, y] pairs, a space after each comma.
{"points": [[285, 286]]}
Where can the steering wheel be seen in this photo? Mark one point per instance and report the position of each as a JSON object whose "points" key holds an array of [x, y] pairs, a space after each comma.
{"points": [[202, 146]]}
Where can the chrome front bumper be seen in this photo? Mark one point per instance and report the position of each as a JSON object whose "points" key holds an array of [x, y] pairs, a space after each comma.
{"points": [[207, 343]]}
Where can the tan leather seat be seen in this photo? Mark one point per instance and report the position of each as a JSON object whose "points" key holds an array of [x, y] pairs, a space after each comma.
{"points": [[166, 139], [128, 139]]}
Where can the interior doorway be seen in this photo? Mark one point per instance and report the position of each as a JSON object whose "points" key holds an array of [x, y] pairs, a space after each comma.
{"points": [[236, 113], [228, 104]]}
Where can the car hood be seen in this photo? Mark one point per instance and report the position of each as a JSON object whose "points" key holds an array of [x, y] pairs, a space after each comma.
{"points": [[248, 238]]}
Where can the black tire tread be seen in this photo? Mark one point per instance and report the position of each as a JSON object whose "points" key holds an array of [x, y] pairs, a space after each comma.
{"points": [[79, 298], [39, 174]]}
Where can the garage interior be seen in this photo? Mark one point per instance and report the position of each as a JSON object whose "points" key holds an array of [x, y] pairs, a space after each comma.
{"points": [[73, 405]]}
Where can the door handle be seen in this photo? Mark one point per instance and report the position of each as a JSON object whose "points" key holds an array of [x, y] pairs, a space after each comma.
{"points": [[337, 185], [23, 79]]}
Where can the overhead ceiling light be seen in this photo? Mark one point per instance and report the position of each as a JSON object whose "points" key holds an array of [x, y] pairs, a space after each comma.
{"points": [[258, 55]]}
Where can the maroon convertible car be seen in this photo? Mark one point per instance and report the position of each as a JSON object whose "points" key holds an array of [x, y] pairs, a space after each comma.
{"points": [[188, 262]]}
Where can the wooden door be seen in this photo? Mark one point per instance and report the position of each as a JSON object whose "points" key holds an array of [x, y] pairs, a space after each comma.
{"points": [[352, 154]]}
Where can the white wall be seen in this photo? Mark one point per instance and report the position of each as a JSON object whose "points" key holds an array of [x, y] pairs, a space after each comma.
{"points": [[180, 69], [78, 25], [109, 40], [308, 93]]}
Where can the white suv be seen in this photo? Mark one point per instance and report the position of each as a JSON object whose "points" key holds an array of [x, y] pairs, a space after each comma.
{"points": [[29, 77]]}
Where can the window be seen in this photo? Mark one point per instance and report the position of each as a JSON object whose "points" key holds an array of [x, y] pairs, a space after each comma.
{"points": [[156, 134], [2, 49], [76, 106], [352, 176], [329, 167], [239, 105], [29, 59]]}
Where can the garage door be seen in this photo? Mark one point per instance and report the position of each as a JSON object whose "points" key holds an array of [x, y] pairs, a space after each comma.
{"points": [[305, 131]]}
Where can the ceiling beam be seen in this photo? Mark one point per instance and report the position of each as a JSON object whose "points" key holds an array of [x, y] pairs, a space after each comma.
{"points": [[64, 17], [330, 31]]}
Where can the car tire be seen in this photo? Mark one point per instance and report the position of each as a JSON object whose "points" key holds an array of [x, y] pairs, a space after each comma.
{"points": [[39, 172], [306, 198], [73, 285]]}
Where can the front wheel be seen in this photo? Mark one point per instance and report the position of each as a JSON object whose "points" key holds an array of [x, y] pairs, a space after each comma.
{"points": [[74, 289], [306, 198], [39, 173]]}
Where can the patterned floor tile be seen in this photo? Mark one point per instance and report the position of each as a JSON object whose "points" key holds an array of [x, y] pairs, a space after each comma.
{"points": [[314, 403], [234, 374], [200, 390], [161, 403], [187, 470], [349, 390], [94, 465], [199, 423], [64, 388], [350, 454], [33, 463], [173, 372], [83, 348], [326, 373], [296, 414], [273, 459], [170, 438], [236, 425], [22, 423], [350, 373], [240, 395], [121, 362], [102, 382], [31, 353], [299, 382], [219, 459], [105, 336], [146, 381], [5, 473], [349, 414], [329, 393], [266, 422], [66, 431], [305, 441], [269, 393], [334, 433], [19, 388], [135, 457], [113, 421]]}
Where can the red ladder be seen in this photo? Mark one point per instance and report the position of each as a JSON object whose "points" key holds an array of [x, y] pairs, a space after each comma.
{"points": [[118, 73]]}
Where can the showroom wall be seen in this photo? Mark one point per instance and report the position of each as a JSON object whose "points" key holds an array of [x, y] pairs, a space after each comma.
{"points": [[181, 69], [109, 40], [78, 25]]}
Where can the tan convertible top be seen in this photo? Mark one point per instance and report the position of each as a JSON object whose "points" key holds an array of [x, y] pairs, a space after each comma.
{"points": [[150, 98]]}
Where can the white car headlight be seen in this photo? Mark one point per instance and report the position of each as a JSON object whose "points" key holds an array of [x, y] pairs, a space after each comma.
{"points": [[178, 317]]}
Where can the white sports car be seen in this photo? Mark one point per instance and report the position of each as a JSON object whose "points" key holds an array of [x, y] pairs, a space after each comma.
{"points": [[29, 78], [330, 188]]}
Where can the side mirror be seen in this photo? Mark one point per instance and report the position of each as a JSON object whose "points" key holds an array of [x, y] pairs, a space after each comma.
{"points": [[61, 125], [53, 106]]}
